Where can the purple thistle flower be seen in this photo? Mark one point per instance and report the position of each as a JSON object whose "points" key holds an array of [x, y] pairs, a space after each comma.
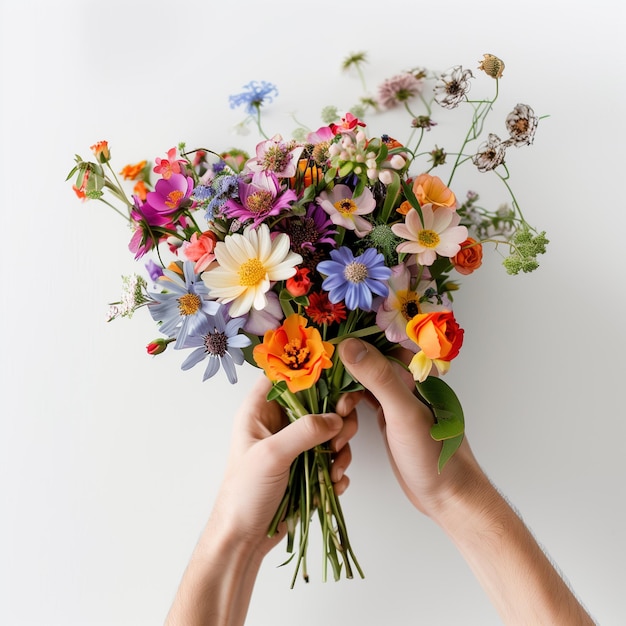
{"points": [[354, 279]]}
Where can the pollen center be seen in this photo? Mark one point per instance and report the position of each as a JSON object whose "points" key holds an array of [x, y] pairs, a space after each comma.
{"points": [[345, 206], [428, 238], [409, 304], [173, 198], [189, 304], [216, 343], [355, 272], [259, 202], [276, 159], [295, 355], [251, 273]]}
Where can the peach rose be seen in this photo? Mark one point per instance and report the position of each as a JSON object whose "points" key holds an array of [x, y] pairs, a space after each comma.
{"points": [[294, 353], [469, 257], [439, 337]]}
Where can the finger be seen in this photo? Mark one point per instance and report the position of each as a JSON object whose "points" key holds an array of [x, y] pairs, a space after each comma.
{"points": [[348, 401], [303, 434], [377, 374], [341, 485], [348, 430], [340, 463]]}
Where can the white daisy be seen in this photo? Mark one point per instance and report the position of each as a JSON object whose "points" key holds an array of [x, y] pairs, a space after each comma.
{"points": [[247, 265]]}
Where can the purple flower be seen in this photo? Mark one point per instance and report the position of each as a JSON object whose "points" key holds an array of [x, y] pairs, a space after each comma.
{"points": [[259, 199], [181, 307], [155, 271], [217, 338], [169, 194], [354, 279]]}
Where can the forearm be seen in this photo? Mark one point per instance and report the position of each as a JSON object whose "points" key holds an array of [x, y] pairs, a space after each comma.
{"points": [[217, 585], [511, 567]]}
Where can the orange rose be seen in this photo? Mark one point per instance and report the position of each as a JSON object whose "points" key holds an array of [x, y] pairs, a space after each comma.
{"points": [[469, 257], [439, 337], [294, 353]]}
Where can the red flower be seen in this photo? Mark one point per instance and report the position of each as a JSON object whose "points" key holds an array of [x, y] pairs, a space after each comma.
{"points": [[299, 284], [322, 311]]}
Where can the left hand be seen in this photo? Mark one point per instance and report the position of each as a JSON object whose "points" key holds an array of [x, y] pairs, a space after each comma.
{"points": [[263, 447]]}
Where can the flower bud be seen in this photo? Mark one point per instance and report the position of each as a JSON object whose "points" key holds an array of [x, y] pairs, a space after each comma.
{"points": [[158, 346], [101, 151]]}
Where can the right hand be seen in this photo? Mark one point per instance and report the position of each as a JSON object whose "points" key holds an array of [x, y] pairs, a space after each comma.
{"points": [[405, 422]]}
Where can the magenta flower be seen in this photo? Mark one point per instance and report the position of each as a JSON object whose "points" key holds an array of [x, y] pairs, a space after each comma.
{"points": [[259, 199], [169, 193]]}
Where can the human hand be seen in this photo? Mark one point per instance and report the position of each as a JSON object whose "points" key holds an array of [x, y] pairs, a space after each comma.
{"points": [[263, 447], [405, 422]]}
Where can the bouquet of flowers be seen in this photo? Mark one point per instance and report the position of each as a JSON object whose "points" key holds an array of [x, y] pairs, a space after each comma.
{"points": [[274, 258]]}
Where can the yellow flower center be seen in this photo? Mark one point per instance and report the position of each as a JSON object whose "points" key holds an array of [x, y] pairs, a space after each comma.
{"points": [[173, 198], [294, 355], [345, 206], [409, 306], [260, 201], [189, 304], [428, 238], [251, 273]]}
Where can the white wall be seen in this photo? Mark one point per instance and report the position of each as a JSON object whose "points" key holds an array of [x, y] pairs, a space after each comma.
{"points": [[110, 459]]}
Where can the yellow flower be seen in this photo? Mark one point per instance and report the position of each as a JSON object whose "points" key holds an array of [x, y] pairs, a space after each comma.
{"points": [[247, 264]]}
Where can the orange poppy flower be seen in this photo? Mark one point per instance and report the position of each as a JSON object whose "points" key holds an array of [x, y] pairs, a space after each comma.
{"points": [[294, 353], [132, 172]]}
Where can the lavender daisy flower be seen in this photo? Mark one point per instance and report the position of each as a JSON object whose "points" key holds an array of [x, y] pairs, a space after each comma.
{"points": [[398, 89], [258, 92], [217, 338], [182, 306], [354, 279]]}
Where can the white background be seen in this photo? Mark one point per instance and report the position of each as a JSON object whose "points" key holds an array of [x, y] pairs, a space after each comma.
{"points": [[110, 459]]}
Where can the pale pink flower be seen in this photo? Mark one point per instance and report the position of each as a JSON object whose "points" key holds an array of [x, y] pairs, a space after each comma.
{"points": [[440, 234], [276, 156], [345, 210]]}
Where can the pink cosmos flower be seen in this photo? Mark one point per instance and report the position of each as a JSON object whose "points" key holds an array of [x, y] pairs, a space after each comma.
{"points": [[439, 234], [259, 199], [169, 166], [345, 210], [321, 135], [276, 156]]}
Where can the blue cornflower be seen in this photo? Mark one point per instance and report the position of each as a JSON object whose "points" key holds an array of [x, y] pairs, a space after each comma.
{"points": [[354, 280], [258, 92], [203, 192], [182, 307], [217, 338], [225, 186]]}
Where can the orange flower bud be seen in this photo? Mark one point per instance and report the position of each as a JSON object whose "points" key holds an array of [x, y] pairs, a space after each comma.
{"points": [[101, 151], [299, 284]]}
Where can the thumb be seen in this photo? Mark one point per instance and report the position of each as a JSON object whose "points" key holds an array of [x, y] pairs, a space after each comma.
{"points": [[378, 375], [303, 434]]}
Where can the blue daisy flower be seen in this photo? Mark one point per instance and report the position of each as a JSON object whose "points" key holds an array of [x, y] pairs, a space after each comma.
{"points": [[352, 279], [217, 338], [183, 304]]}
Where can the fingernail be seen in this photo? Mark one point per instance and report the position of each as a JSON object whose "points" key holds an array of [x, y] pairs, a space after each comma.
{"points": [[353, 351]]}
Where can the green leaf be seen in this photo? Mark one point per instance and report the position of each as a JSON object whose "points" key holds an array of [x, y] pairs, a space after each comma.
{"points": [[450, 422], [413, 201], [393, 190]]}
